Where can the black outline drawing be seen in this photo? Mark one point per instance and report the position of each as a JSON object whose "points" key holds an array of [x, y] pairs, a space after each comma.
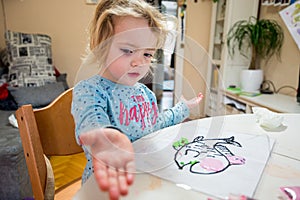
{"points": [[196, 152]]}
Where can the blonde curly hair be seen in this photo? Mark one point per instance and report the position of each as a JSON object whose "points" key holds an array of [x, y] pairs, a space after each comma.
{"points": [[102, 25]]}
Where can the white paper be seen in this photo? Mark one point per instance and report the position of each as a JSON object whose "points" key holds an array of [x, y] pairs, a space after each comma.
{"points": [[156, 155]]}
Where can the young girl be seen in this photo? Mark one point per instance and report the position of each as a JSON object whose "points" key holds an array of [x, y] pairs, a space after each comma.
{"points": [[111, 109]]}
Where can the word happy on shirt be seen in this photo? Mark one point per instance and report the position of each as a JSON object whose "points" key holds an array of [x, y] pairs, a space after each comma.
{"points": [[142, 112]]}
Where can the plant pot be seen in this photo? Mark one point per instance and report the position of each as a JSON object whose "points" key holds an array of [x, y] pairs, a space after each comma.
{"points": [[251, 80]]}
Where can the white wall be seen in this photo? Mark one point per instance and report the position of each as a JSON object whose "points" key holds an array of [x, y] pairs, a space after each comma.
{"points": [[284, 72]]}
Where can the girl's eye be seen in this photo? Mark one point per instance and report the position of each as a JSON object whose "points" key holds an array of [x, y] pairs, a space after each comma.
{"points": [[148, 55], [127, 51]]}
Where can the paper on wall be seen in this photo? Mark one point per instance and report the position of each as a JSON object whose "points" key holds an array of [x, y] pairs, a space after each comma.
{"points": [[291, 17]]}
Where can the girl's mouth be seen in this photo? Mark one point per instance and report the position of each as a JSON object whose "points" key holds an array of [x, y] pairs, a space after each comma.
{"points": [[133, 74]]}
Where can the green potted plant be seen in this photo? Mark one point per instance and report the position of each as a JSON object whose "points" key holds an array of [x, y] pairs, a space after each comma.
{"points": [[260, 39]]}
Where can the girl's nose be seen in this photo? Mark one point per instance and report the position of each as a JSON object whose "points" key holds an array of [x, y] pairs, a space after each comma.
{"points": [[137, 59]]}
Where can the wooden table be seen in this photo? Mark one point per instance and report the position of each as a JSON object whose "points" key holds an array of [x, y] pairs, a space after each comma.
{"points": [[282, 169]]}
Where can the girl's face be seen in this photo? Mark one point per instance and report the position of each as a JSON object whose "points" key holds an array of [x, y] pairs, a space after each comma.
{"points": [[131, 51]]}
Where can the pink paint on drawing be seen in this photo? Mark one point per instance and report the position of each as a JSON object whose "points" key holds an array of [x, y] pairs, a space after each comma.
{"points": [[236, 160], [212, 164]]}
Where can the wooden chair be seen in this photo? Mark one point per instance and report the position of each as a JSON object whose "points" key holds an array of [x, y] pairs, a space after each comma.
{"points": [[46, 132]]}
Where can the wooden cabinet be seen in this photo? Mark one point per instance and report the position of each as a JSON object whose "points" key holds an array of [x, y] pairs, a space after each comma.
{"points": [[223, 70]]}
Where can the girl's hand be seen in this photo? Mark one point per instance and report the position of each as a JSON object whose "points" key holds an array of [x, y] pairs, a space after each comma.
{"points": [[193, 102], [113, 160]]}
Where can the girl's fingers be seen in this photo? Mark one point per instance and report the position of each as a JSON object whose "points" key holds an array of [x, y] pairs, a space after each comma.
{"points": [[200, 95], [113, 180], [130, 170], [101, 175], [123, 185]]}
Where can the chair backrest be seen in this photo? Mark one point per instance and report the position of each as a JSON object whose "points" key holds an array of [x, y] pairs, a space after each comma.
{"points": [[47, 131]]}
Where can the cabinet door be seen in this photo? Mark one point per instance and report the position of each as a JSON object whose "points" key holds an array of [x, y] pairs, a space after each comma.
{"points": [[215, 52], [223, 70], [217, 30]]}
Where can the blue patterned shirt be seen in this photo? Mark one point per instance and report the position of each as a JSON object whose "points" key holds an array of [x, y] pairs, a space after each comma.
{"points": [[99, 103]]}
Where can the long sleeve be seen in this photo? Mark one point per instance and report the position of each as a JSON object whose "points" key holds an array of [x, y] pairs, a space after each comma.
{"points": [[172, 116], [98, 103], [89, 109]]}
